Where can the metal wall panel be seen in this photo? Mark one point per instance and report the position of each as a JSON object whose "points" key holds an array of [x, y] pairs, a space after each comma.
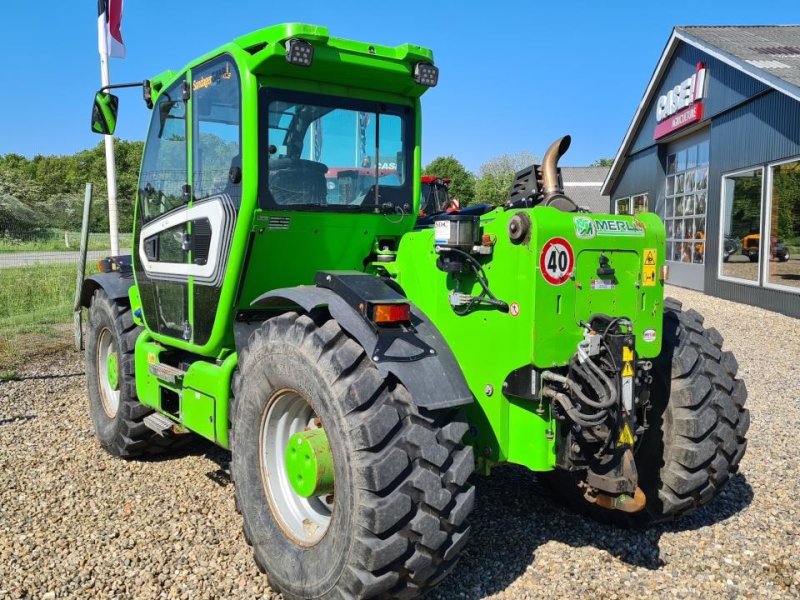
{"points": [[642, 173]]}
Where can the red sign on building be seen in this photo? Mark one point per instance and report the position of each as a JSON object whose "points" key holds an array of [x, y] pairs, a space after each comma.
{"points": [[681, 106], [690, 114]]}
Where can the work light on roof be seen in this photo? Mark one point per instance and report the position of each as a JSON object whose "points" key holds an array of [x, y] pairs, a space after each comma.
{"points": [[299, 52], [426, 74]]}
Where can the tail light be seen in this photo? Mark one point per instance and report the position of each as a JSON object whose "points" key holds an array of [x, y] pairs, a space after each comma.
{"points": [[390, 313]]}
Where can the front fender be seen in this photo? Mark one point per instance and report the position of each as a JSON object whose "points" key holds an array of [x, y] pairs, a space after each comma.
{"points": [[115, 285], [435, 381]]}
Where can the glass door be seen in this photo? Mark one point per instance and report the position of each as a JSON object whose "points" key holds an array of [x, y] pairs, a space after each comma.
{"points": [[684, 212]]}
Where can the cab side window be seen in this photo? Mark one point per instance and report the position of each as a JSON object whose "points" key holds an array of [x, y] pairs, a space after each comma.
{"points": [[216, 109], [163, 177]]}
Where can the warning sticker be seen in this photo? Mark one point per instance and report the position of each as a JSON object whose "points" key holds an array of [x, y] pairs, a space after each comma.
{"points": [[627, 362], [556, 261], [649, 267], [625, 436], [627, 370]]}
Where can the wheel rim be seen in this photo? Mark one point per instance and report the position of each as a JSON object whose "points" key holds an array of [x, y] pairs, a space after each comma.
{"points": [[108, 373], [304, 520]]}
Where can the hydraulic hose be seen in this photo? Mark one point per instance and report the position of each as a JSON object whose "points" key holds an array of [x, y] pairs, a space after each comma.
{"points": [[612, 388], [576, 415], [597, 386], [605, 400]]}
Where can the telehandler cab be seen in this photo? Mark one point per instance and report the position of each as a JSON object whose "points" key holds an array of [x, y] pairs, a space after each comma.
{"points": [[361, 370]]}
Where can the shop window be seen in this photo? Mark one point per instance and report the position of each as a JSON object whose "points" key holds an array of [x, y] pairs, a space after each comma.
{"points": [[783, 258], [741, 224], [686, 196], [632, 205]]}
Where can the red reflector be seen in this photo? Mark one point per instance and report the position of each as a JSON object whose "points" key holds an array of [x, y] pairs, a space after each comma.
{"points": [[391, 313]]}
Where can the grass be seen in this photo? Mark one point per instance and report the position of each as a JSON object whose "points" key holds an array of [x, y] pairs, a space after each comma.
{"points": [[52, 240], [35, 312]]}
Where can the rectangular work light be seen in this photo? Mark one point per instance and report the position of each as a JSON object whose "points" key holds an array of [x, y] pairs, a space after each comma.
{"points": [[299, 52], [426, 74]]}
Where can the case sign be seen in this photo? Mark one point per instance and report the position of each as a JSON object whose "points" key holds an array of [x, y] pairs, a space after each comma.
{"points": [[681, 106], [557, 261]]}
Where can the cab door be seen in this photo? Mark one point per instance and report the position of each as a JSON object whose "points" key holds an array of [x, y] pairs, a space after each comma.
{"points": [[216, 185], [189, 194], [160, 256]]}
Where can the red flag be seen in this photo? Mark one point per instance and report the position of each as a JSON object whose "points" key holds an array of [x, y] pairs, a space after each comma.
{"points": [[111, 12]]}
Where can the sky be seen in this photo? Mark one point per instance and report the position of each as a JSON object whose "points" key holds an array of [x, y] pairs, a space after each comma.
{"points": [[514, 76]]}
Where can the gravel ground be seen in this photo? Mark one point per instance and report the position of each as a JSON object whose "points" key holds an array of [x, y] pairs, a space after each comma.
{"points": [[76, 523]]}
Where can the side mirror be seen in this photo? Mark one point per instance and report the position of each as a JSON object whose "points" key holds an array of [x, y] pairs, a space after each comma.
{"points": [[104, 113]]}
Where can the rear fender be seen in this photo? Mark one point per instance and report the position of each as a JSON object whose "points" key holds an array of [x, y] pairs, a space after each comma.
{"points": [[435, 380]]}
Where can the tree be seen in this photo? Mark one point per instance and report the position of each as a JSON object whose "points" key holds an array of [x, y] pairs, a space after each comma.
{"points": [[602, 162], [462, 182], [496, 175], [52, 186]]}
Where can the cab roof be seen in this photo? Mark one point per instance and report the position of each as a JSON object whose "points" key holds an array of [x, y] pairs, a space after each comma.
{"points": [[336, 60]]}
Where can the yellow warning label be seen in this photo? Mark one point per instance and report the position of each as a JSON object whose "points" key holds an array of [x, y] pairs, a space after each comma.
{"points": [[627, 369], [625, 436], [151, 358], [649, 267], [649, 276], [650, 256], [627, 354]]}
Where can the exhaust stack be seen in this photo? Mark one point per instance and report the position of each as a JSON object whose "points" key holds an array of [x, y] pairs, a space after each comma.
{"points": [[550, 183]]}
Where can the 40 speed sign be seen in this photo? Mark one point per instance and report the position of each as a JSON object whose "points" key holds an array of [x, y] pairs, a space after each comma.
{"points": [[556, 261]]}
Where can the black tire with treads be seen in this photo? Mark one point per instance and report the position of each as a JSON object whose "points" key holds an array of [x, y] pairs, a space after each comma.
{"points": [[698, 425], [403, 486], [124, 434]]}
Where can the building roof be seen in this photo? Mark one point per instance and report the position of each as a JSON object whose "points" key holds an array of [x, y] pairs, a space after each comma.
{"points": [[767, 53], [775, 50], [582, 185]]}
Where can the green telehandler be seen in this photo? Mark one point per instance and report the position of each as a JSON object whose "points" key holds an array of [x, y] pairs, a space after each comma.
{"points": [[362, 367]]}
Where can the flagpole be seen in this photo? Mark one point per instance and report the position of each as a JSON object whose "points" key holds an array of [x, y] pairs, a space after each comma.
{"points": [[111, 170]]}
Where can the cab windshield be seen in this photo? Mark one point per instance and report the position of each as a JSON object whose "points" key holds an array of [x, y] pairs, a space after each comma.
{"points": [[331, 153]]}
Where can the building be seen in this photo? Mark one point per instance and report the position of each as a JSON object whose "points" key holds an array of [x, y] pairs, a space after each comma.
{"points": [[584, 184], [714, 149]]}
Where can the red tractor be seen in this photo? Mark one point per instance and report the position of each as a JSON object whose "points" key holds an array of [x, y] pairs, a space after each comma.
{"points": [[435, 196]]}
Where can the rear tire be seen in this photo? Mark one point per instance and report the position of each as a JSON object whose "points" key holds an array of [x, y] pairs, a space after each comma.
{"points": [[117, 414], [403, 486], [697, 428]]}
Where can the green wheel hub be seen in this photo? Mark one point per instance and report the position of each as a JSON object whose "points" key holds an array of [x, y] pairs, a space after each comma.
{"points": [[112, 371], [309, 463]]}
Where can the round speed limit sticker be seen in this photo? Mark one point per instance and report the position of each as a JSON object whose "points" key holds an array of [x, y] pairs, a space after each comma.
{"points": [[556, 261]]}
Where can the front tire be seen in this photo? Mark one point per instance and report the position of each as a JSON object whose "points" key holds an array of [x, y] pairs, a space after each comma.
{"points": [[698, 424], [396, 521], [115, 410]]}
